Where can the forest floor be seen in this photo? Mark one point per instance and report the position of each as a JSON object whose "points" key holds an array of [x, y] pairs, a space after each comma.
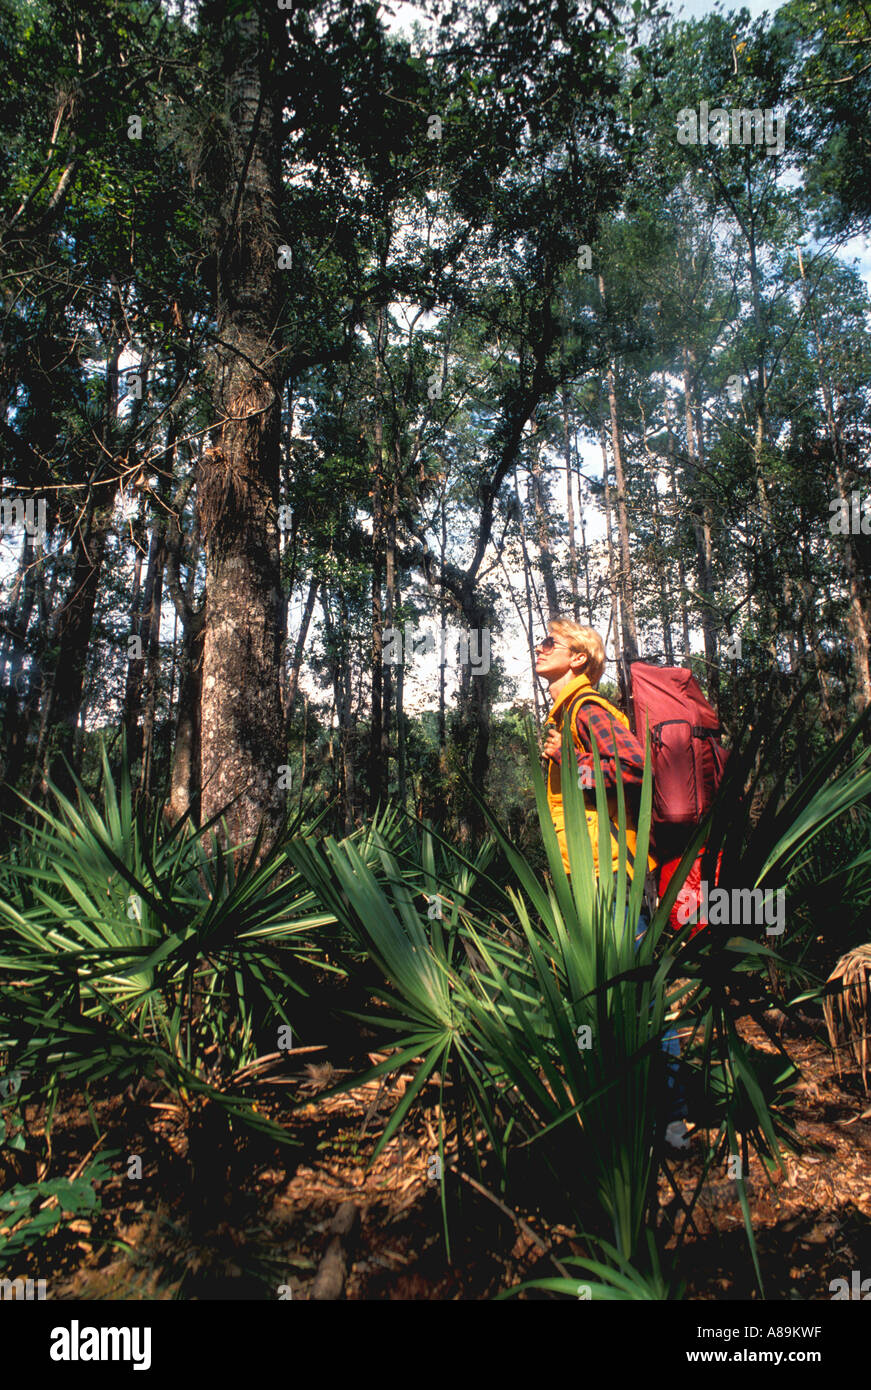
{"points": [[258, 1224]]}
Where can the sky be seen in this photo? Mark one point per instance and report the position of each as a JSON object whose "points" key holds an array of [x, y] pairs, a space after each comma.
{"points": [[697, 9], [404, 15]]}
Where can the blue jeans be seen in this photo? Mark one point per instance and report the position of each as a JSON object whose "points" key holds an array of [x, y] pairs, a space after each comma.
{"points": [[677, 1105]]}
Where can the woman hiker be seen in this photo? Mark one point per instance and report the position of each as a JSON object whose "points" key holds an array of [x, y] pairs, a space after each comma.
{"points": [[571, 659]]}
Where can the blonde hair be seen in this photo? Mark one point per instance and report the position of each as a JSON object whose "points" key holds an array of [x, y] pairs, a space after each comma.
{"points": [[585, 640]]}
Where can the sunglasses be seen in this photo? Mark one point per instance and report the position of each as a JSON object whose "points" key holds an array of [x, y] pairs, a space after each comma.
{"points": [[547, 644]]}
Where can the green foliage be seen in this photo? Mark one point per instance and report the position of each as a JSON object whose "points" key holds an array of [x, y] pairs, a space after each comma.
{"points": [[144, 949], [31, 1212], [830, 45]]}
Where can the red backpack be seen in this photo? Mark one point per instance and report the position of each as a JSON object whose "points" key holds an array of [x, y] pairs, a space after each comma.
{"points": [[688, 759]]}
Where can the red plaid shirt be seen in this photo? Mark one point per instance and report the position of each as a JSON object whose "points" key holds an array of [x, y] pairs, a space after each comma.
{"points": [[594, 722]]}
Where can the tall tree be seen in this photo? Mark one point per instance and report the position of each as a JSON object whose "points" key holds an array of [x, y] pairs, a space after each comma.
{"points": [[242, 743]]}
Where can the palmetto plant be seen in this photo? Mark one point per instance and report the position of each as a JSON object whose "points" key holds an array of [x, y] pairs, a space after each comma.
{"points": [[547, 1022], [544, 1018], [130, 949]]}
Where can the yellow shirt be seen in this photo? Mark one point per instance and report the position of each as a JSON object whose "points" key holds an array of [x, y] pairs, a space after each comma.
{"points": [[576, 688]]}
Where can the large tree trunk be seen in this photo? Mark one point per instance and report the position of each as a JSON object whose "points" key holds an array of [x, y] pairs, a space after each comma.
{"points": [[242, 729], [377, 769]]}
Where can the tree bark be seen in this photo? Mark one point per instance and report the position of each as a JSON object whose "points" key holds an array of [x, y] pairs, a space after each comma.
{"points": [[377, 770], [242, 729]]}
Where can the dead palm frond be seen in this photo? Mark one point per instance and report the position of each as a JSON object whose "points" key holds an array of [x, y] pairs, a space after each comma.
{"points": [[845, 1008]]}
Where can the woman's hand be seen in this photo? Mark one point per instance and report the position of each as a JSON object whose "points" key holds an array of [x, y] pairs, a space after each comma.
{"points": [[552, 745]]}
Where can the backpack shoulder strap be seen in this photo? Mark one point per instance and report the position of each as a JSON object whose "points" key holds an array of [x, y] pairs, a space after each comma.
{"points": [[592, 697]]}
